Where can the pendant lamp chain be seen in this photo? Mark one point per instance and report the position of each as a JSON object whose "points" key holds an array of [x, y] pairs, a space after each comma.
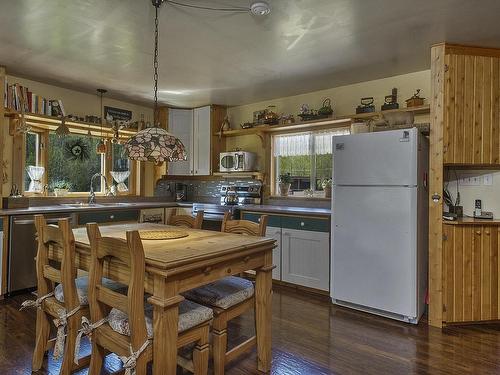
{"points": [[155, 67]]}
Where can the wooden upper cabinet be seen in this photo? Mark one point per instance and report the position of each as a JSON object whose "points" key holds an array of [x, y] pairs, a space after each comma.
{"points": [[471, 133]]}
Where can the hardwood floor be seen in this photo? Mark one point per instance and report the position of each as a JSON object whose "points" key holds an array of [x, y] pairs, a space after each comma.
{"points": [[310, 336]]}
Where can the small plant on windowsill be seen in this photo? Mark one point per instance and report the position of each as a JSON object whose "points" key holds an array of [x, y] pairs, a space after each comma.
{"points": [[327, 187], [61, 188], [285, 180]]}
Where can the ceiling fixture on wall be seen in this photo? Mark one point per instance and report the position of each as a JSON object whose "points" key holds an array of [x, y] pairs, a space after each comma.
{"points": [[154, 143], [260, 8], [101, 146], [257, 8]]}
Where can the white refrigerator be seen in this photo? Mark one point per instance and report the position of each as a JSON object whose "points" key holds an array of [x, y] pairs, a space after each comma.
{"points": [[380, 223]]}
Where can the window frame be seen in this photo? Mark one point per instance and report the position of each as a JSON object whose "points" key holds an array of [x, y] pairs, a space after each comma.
{"points": [[274, 168], [106, 166]]}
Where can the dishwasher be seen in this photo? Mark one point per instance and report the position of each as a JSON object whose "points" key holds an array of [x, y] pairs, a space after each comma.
{"points": [[23, 249]]}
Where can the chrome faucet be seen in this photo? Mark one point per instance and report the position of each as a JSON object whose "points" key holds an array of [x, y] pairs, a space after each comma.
{"points": [[107, 190]]}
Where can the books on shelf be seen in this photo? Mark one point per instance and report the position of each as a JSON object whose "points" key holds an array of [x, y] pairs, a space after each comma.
{"points": [[15, 95]]}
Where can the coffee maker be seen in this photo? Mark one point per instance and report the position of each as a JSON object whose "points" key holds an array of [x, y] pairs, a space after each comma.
{"points": [[180, 192]]}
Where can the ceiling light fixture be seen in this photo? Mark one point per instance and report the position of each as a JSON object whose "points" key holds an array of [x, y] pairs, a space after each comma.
{"points": [[154, 143], [260, 8]]}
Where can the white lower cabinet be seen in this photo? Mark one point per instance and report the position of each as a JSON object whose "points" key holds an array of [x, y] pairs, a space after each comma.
{"points": [[305, 258], [275, 233]]}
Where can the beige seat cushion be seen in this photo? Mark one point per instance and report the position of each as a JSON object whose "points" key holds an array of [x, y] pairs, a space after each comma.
{"points": [[82, 286], [223, 293], [190, 315]]}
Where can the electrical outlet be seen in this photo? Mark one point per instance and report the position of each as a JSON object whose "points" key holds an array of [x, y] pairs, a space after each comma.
{"points": [[470, 180], [488, 179]]}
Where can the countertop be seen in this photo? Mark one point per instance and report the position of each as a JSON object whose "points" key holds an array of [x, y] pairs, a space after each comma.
{"points": [[84, 208], [54, 208], [304, 211], [472, 221]]}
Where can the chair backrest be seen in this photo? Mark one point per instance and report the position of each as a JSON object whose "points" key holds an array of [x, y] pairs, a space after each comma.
{"points": [[244, 226], [60, 236], [186, 220], [130, 253]]}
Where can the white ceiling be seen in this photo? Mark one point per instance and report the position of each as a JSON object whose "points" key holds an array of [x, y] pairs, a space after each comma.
{"points": [[225, 58]]}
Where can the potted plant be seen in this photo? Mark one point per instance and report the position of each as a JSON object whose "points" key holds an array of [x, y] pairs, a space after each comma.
{"points": [[61, 188], [285, 181], [327, 187]]}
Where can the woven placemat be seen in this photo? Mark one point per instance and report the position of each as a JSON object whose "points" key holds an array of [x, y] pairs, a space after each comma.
{"points": [[162, 234]]}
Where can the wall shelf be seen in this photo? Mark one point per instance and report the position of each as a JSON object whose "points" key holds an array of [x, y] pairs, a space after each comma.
{"points": [[311, 125], [420, 110], [78, 127]]}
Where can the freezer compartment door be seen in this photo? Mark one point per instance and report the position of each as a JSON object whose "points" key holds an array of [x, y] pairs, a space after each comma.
{"points": [[374, 247], [383, 158]]}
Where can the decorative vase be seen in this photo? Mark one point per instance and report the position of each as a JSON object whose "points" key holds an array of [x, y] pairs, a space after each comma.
{"points": [[60, 192], [284, 189], [328, 191]]}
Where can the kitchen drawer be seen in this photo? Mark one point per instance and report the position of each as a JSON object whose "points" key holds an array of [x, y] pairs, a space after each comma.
{"points": [[302, 223], [272, 221], [108, 217]]}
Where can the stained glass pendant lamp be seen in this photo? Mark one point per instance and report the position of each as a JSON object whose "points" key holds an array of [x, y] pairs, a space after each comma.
{"points": [[154, 143]]}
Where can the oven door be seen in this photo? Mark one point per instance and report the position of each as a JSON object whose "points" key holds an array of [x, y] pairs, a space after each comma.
{"points": [[227, 162]]}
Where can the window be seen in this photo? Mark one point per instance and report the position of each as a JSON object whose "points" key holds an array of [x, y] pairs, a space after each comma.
{"points": [[32, 154], [307, 157], [62, 167]]}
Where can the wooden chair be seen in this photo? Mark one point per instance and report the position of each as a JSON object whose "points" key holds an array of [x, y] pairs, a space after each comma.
{"points": [[229, 297], [62, 303], [123, 323], [186, 220]]}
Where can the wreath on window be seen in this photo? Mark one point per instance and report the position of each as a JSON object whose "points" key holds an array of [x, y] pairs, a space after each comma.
{"points": [[77, 149]]}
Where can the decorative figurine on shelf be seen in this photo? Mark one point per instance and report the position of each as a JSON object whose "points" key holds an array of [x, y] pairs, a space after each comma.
{"points": [[287, 119], [326, 110], [271, 117], [226, 125], [391, 101], [366, 106], [415, 100]]}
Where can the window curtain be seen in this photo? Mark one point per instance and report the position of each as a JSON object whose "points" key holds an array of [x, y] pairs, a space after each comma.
{"points": [[318, 143], [292, 145]]}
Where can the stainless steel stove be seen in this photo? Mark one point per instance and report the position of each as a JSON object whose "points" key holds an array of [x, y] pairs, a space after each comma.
{"points": [[239, 193]]}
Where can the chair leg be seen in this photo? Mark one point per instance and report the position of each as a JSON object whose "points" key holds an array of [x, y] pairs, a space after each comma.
{"points": [[141, 365], [219, 332], [201, 353], [69, 345], [96, 359], [42, 338]]}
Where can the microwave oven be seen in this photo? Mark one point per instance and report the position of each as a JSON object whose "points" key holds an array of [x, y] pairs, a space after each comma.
{"points": [[237, 161]]}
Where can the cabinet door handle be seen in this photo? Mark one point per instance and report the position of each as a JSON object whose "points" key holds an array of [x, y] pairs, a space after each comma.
{"points": [[111, 216], [478, 232], [302, 223]]}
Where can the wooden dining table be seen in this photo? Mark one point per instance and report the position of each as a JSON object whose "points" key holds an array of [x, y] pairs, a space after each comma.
{"points": [[177, 265]]}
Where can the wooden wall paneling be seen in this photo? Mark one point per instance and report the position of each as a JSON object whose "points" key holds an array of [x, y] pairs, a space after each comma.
{"points": [[494, 272], [476, 273], [486, 272], [495, 111], [218, 143], [487, 96], [450, 128], [460, 142], [466, 272], [478, 110], [2, 126], [436, 187], [468, 108], [18, 160], [448, 271], [5, 255]]}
